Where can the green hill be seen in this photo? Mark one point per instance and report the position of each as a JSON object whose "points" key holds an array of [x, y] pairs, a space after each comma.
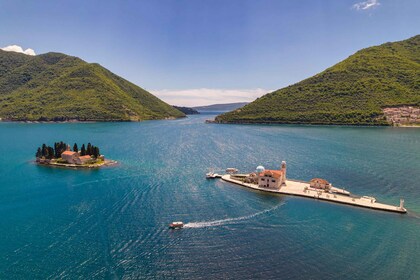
{"points": [[354, 91], [55, 86], [187, 110]]}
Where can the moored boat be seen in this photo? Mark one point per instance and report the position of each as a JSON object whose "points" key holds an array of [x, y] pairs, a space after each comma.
{"points": [[211, 175], [231, 170]]}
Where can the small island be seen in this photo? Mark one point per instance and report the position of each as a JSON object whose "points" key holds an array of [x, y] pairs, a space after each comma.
{"points": [[275, 181], [61, 155]]}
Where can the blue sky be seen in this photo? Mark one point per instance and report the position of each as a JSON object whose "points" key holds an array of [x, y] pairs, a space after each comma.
{"points": [[201, 52]]}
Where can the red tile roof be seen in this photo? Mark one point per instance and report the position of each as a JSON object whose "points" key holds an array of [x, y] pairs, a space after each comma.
{"points": [[85, 157], [319, 180], [68, 153], [274, 173]]}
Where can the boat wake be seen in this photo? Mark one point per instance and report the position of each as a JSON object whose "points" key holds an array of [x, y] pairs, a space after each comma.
{"points": [[230, 221]]}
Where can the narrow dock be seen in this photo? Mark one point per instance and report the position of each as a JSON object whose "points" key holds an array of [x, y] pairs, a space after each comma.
{"points": [[300, 188]]}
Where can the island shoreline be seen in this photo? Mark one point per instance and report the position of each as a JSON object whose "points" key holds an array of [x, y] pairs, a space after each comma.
{"points": [[106, 163], [310, 124], [338, 199]]}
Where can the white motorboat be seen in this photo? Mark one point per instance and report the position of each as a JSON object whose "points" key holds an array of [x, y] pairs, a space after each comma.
{"points": [[176, 225], [211, 175]]}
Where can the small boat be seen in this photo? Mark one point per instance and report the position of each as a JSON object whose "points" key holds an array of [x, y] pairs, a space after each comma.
{"points": [[176, 225], [231, 170], [211, 175]]}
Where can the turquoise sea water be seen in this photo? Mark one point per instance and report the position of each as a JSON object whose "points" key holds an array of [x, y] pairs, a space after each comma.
{"points": [[112, 223]]}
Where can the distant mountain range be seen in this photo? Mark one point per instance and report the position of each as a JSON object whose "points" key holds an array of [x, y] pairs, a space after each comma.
{"points": [[55, 86], [221, 107], [187, 110], [376, 86]]}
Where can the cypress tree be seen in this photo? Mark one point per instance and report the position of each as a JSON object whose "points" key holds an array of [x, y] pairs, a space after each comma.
{"points": [[56, 150], [62, 148], [38, 153], [75, 148], [45, 153], [44, 150], [95, 151], [50, 153], [89, 149], [83, 150]]}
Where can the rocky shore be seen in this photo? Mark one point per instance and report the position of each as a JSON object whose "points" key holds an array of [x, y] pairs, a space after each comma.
{"points": [[54, 163]]}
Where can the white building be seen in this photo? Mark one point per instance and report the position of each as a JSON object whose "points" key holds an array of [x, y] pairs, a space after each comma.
{"points": [[75, 158], [69, 156], [271, 178]]}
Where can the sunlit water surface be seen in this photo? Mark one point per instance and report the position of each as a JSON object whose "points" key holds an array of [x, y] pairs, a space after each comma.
{"points": [[113, 223]]}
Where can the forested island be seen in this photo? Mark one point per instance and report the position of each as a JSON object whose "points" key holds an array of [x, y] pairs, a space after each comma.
{"points": [[61, 155]]}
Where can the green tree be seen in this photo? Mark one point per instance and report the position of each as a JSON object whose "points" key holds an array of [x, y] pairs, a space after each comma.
{"points": [[44, 150], [95, 151], [83, 150], [38, 153], [89, 149], [50, 154], [57, 150], [75, 148]]}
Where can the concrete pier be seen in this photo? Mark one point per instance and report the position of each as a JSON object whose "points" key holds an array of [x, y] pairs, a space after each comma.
{"points": [[301, 188]]}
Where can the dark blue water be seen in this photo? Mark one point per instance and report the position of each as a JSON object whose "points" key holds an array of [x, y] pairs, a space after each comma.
{"points": [[112, 223]]}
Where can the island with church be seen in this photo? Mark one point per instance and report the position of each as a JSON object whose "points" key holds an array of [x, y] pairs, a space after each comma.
{"points": [[275, 181], [61, 155]]}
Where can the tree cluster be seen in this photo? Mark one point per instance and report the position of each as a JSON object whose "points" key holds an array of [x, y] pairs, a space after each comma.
{"points": [[45, 152], [49, 152], [89, 150], [59, 148]]}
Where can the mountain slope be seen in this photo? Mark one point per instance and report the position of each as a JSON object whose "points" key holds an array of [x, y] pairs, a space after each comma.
{"points": [[354, 91], [55, 86], [186, 110]]}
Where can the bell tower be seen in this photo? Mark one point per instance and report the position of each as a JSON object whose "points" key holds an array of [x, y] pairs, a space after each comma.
{"points": [[401, 204], [283, 168]]}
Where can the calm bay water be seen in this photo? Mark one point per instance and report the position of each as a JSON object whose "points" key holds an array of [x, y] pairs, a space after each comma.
{"points": [[112, 223]]}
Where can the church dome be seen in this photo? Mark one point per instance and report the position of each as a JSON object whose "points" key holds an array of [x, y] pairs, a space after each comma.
{"points": [[260, 169]]}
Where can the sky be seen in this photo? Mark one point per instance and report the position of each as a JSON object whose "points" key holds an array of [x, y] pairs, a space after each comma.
{"points": [[195, 52]]}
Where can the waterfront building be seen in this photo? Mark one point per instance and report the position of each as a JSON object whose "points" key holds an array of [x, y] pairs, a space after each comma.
{"points": [[272, 178], [75, 158], [70, 156], [252, 178], [83, 159], [318, 183]]}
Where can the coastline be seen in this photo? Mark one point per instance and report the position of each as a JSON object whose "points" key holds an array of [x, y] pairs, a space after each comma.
{"points": [[311, 124], [301, 188], [84, 121], [105, 163]]}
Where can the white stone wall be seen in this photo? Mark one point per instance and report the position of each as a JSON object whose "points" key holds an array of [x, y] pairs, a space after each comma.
{"points": [[269, 181]]}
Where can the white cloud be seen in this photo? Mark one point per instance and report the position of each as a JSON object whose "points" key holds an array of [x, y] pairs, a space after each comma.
{"points": [[18, 49], [207, 96], [366, 5]]}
